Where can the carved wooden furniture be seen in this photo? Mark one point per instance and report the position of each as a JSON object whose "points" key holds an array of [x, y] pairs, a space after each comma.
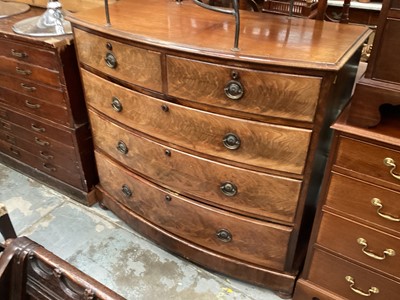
{"points": [[44, 130], [355, 246], [29, 271], [211, 152]]}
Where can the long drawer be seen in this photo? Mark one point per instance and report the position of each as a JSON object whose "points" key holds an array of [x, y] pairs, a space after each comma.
{"points": [[349, 280], [375, 163], [32, 72], [368, 202], [363, 244], [28, 54], [258, 144], [253, 241], [255, 92], [126, 62], [70, 175], [235, 189]]}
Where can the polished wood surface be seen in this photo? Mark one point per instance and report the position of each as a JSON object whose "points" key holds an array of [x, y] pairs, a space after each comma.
{"points": [[264, 38]]}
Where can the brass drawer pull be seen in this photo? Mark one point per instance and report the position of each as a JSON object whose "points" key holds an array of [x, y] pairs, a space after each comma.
{"points": [[224, 235], [116, 104], [23, 71], [126, 191], [372, 290], [28, 87], [110, 60], [391, 163], [234, 89], [31, 105], [378, 203], [363, 242], [18, 54], [37, 129], [15, 152], [121, 147], [41, 142], [228, 189], [45, 155], [49, 167], [231, 141]]}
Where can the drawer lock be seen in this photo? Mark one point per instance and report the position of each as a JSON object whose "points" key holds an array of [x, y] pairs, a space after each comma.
{"points": [[372, 290], [387, 252]]}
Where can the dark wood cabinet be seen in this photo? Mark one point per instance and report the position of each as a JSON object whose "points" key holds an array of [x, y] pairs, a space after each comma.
{"points": [[44, 129]]}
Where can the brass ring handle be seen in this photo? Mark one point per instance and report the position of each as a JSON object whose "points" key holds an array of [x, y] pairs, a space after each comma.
{"points": [[28, 87], [378, 203], [224, 235], [116, 104], [391, 163], [31, 105], [122, 147], [110, 60], [231, 141], [49, 167], [23, 71], [363, 242], [371, 290], [126, 191], [37, 129], [45, 155], [18, 54], [234, 90], [41, 142], [228, 189]]}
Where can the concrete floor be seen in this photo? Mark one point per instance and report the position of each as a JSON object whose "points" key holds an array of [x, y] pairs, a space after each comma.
{"points": [[99, 244]]}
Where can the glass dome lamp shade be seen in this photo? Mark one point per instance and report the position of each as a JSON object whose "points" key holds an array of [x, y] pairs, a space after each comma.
{"points": [[51, 23]]}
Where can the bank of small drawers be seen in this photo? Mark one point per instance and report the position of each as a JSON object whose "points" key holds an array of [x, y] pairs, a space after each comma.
{"points": [[359, 225]]}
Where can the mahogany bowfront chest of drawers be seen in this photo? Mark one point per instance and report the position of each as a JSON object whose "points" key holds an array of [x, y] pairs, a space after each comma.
{"points": [[211, 152], [44, 129]]}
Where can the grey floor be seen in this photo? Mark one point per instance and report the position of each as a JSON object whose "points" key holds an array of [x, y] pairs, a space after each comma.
{"points": [[99, 244]]}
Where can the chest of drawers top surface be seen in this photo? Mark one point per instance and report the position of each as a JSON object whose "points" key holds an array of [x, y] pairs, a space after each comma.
{"points": [[263, 38]]}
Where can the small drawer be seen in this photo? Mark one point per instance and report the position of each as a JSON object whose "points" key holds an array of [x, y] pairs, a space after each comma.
{"points": [[375, 163], [35, 126], [369, 203], [36, 106], [31, 72], [70, 175], [255, 92], [135, 65], [349, 280], [236, 189], [360, 243], [214, 229], [32, 89], [253, 143], [28, 54]]}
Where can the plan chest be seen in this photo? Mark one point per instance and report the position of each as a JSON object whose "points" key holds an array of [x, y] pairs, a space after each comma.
{"points": [[207, 151]]}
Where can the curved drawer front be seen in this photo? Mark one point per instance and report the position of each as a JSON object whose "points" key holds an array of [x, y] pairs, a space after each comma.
{"points": [[225, 233], [371, 163], [370, 203], [232, 188], [28, 54], [260, 93], [361, 243], [259, 144], [134, 65], [338, 277], [31, 72]]}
